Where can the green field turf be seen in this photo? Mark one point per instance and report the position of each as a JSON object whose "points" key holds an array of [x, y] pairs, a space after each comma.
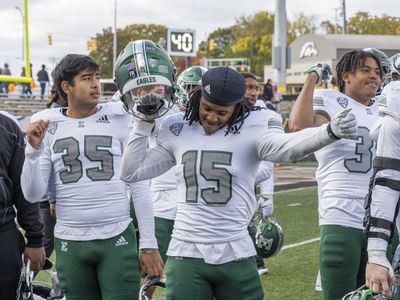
{"points": [[292, 272]]}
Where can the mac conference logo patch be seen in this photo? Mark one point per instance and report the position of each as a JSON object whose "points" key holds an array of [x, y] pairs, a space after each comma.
{"points": [[176, 128], [343, 101]]}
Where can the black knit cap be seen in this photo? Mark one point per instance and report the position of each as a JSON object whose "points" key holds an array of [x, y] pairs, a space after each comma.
{"points": [[223, 86]]}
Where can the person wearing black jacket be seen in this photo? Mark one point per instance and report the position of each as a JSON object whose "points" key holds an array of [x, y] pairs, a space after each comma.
{"points": [[12, 204]]}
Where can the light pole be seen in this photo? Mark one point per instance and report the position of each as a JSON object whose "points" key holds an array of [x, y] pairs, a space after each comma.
{"points": [[115, 37], [23, 23]]}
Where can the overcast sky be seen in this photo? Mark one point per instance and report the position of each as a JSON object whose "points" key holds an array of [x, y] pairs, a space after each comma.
{"points": [[73, 22]]}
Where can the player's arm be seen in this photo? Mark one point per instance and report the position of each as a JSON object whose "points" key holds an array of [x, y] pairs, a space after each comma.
{"points": [[37, 165], [293, 146], [381, 206], [27, 213], [302, 114], [139, 162], [149, 255]]}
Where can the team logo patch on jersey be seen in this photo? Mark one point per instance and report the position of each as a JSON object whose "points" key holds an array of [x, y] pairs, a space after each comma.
{"points": [[368, 110], [52, 128], [64, 246], [343, 101], [102, 119], [81, 124], [176, 128]]}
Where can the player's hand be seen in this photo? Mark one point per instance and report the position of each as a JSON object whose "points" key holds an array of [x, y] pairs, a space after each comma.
{"points": [[153, 263], [149, 107], [378, 277], [323, 72], [343, 125], [36, 132], [37, 256], [266, 205]]}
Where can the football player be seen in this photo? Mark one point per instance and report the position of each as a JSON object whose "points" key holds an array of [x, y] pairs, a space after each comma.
{"points": [[266, 187], [81, 147], [344, 167], [395, 66], [162, 188], [383, 200], [187, 81], [217, 154]]}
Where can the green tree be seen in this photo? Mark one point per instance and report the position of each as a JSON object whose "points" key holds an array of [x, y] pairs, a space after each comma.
{"points": [[364, 23], [104, 53]]}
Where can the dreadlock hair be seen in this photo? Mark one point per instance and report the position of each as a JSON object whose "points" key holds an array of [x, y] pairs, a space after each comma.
{"points": [[351, 62], [240, 113]]}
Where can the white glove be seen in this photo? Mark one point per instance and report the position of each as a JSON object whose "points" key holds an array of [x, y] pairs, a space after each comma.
{"points": [[378, 257], [266, 204], [323, 72], [343, 125]]}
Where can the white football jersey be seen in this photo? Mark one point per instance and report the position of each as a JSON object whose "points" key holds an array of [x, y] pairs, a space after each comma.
{"points": [[85, 156], [223, 194], [385, 199], [344, 167]]}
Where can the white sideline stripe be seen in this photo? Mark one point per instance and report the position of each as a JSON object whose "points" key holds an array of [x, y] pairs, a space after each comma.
{"points": [[296, 189], [301, 243]]}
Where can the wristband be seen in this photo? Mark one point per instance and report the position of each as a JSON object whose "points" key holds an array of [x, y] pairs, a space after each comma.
{"points": [[331, 134]]}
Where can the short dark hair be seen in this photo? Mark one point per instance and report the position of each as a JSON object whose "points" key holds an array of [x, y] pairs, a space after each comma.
{"points": [[70, 66], [240, 113], [351, 62], [248, 75]]}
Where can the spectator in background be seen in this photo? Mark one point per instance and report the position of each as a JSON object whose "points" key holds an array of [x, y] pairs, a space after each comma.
{"points": [[26, 87], [268, 91], [276, 98], [4, 85], [43, 78]]}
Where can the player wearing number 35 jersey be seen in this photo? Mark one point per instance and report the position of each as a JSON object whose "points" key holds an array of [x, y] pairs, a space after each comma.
{"points": [[217, 154], [80, 147]]}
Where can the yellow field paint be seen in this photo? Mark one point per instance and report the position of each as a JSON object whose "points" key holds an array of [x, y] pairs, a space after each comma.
{"points": [[19, 79]]}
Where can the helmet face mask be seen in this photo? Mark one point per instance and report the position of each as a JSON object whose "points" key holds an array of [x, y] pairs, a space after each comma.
{"points": [[187, 81], [142, 66], [148, 284], [395, 64], [364, 293]]}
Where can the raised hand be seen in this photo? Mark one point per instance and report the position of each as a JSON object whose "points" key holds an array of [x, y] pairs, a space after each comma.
{"points": [[36, 132], [323, 72]]}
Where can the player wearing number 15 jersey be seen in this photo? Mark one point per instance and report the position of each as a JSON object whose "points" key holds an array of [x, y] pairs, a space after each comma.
{"points": [[344, 167], [81, 148], [217, 154]]}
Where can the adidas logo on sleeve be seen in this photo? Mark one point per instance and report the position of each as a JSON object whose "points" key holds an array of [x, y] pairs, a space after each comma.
{"points": [[121, 242]]}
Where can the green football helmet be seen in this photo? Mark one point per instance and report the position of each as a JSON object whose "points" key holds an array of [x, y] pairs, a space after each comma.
{"points": [[385, 66], [145, 76], [267, 235], [188, 79]]}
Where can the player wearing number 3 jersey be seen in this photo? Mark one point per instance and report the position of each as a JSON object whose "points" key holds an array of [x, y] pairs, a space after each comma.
{"points": [[217, 154], [344, 167], [81, 147]]}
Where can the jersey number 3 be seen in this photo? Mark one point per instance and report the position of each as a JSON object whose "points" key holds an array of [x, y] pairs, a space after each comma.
{"points": [[70, 149], [362, 163], [211, 169]]}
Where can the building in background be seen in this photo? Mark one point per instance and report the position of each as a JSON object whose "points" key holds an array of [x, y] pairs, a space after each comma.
{"points": [[311, 49]]}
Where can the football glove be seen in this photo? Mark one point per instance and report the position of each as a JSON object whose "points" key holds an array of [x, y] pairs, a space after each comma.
{"points": [[323, 72], [343, 125], [149, 107], [266, 205]]}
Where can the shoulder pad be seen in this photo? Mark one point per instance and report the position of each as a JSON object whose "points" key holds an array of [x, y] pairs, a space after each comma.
{"points": [[47, 114], [112, 108]]}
